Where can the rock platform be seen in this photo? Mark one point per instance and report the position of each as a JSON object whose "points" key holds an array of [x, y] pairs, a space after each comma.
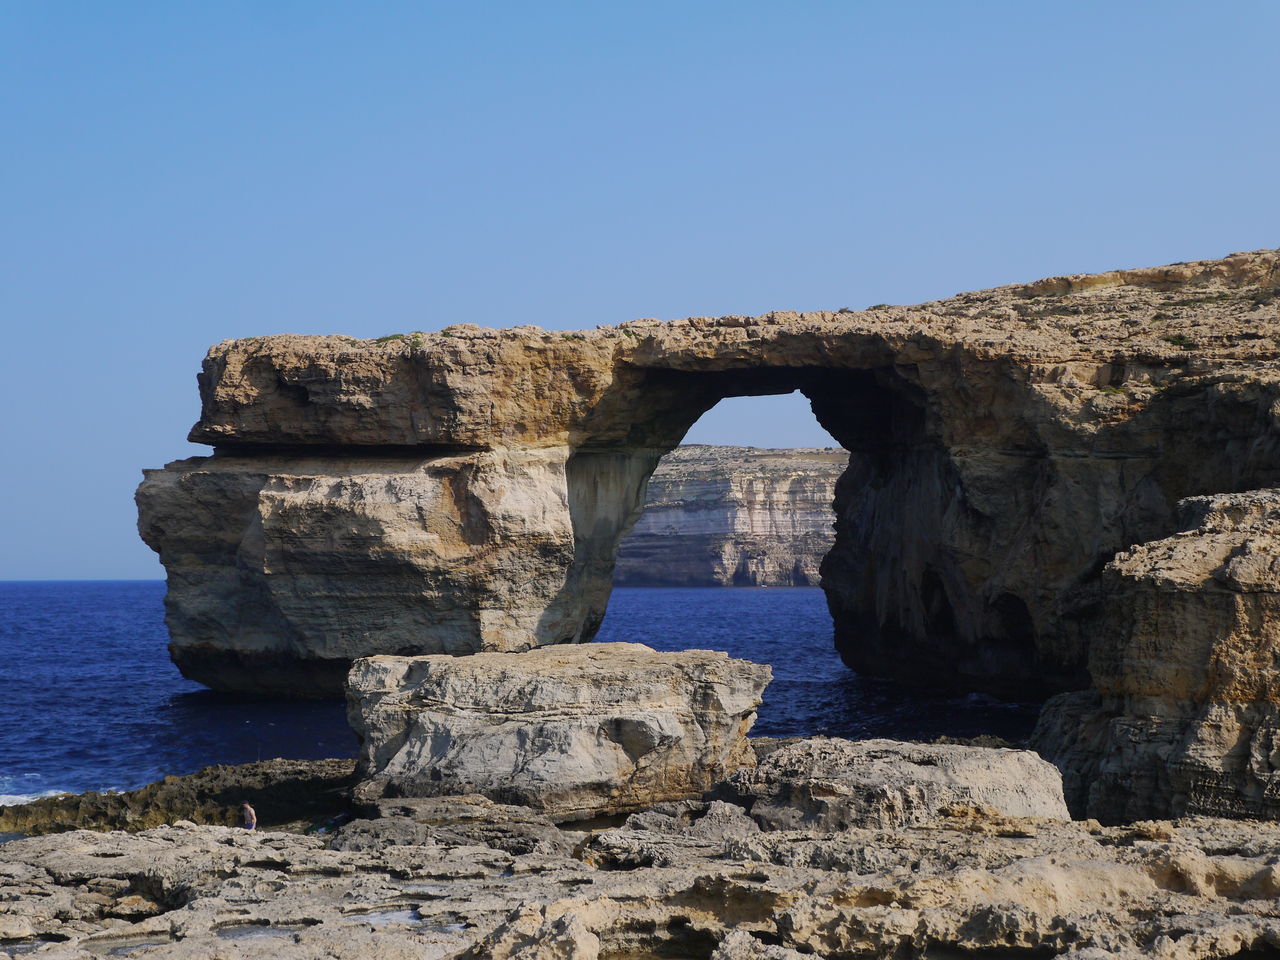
{"points": [[466, 878]]}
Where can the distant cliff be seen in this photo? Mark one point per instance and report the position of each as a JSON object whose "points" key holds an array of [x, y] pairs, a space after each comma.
{"points": [[734, 516]]}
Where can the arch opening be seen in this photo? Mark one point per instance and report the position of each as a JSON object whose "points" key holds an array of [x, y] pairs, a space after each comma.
{"points": [[694, 570]]}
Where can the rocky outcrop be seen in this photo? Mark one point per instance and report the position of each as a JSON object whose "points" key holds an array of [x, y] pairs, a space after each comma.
{"points": [[690, 880], [466, 490], [574, 732], [281, 792], [831, 784], [734, 516], [1185, 714]]}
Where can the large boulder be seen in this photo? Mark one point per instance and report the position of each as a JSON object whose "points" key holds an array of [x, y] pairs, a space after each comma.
{"points": [[574, 731], [830, 784]]}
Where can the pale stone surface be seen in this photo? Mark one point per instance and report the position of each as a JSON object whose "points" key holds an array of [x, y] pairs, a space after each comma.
{"points": [[967, 885], [1185, 718], [832, 784], [284, 570], [734, 516], [574, 731]]}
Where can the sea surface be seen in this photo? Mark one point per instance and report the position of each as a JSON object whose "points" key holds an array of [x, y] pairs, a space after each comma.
{"points": [[90, 701]]}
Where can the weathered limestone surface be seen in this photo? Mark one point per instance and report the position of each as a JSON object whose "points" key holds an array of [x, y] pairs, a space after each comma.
{"points": [[282, 570], [734, 516], [833, 784], [692, 879], [575, 732], [572, 731], [1185, 714], [466, 490]]}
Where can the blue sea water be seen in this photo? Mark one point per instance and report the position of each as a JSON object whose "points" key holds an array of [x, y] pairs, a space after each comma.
{"points": [[90, 701]]}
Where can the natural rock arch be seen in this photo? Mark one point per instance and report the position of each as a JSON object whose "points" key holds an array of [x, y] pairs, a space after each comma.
{"points": [[466, 491]]}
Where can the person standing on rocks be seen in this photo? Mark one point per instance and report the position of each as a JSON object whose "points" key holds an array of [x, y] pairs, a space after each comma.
{"points": [[250, 816]]}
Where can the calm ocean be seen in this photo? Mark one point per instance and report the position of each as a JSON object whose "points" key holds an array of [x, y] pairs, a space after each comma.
{"points": [[90, 701]]}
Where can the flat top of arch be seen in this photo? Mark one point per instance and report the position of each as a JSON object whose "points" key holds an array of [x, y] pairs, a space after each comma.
{"points": [[476, 387], [1226, 307]]}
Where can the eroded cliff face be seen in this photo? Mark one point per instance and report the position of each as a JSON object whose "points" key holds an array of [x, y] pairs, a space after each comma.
{"points": [[720, 516], [466, 490], [1185, 713]]}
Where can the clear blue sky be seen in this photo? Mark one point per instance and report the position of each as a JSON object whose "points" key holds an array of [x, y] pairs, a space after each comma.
{"points": [[177, 173]]}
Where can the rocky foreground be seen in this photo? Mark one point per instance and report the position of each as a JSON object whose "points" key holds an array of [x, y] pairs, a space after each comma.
{"points": [[719, 516], [463, 877], [731, 849]]}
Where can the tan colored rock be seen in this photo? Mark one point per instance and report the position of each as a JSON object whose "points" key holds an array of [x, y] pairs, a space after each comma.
{"points": [[467, 490], [734, 516], [1208, 890], [830, 784], [284, 570], [1185, 716], [573, 731]]}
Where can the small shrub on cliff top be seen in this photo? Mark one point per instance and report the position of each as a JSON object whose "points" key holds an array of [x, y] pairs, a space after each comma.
{"points": [[390, 337]]}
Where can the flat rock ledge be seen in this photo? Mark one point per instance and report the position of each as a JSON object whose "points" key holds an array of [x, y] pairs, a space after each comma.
{"points": [[461, 878], [574, 732], [831, 784]]}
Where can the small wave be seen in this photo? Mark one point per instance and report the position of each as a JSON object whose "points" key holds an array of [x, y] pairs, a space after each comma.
{"points": [[12, 799]]}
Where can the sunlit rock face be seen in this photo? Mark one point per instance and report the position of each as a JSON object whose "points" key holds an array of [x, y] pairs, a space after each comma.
{"points": [[467, 490], [1185, 714], [574, 732], [734, 516]]}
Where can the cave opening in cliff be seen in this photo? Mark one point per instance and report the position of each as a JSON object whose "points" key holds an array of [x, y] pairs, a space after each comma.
{"points": [[776, 491]]}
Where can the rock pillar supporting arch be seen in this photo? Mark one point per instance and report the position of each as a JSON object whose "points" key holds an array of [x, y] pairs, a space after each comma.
{"points": [[465, 490]]}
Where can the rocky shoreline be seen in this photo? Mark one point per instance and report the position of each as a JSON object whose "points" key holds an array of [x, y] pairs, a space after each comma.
{"points": [[1067, 487], [1064, 489], [464, 877], [649, 826]]}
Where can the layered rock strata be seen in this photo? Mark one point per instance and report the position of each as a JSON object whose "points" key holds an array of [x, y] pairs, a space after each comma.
{"points": [[734, 516], [692, 879], [466, 490], [574, 732], [1185, 713]]}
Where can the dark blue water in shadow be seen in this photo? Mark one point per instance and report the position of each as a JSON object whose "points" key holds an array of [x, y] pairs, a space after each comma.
{"points": [[812, 691], [90, 701]]}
